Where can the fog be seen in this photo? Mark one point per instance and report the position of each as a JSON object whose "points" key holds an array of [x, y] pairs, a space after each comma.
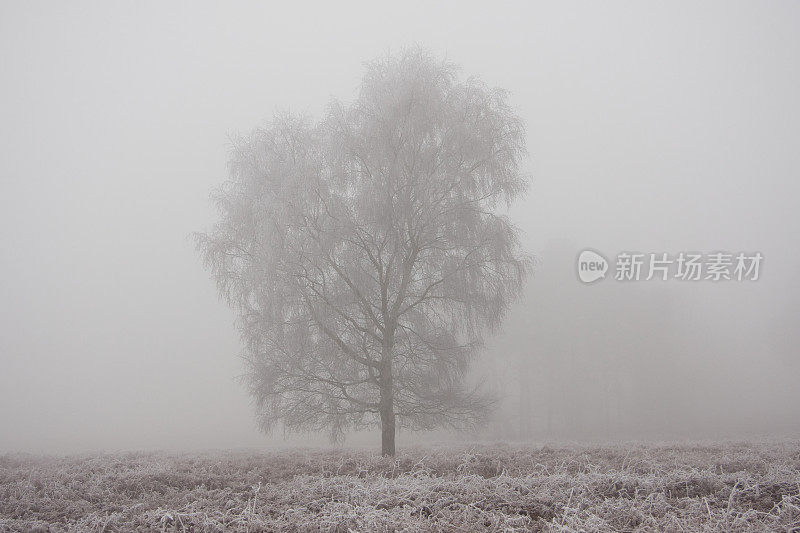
{"points": [[657, 128]]}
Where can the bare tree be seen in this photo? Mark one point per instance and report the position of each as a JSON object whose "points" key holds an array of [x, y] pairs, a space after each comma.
{"points": [[365, 254]]}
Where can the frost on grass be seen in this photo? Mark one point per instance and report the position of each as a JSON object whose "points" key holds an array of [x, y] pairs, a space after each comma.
{"points": [[731, 487]]}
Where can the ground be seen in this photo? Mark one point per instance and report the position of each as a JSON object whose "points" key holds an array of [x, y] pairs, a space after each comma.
{"points": [[719, 487]]}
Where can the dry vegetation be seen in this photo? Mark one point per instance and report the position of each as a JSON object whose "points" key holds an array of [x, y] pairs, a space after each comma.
{"points": [[731, 487]]}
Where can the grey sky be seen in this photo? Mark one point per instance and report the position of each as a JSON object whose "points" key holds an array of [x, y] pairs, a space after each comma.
{"points": [[652, 126]]}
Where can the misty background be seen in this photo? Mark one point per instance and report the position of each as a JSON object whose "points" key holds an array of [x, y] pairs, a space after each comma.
{"points": [[652, 127]]}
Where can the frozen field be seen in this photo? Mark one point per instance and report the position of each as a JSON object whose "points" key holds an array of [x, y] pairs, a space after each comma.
{"points": [[730, 487]]}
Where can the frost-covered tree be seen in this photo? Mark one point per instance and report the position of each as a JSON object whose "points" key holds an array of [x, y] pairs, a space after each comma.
{"points": [[366, 255]]}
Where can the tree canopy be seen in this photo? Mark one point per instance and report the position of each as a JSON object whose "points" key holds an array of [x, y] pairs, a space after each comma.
{"points": [[366, 255]]}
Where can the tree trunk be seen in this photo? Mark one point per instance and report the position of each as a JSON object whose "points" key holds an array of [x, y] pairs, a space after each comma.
{"points": [[387, 411], [387, 393], [387, 432]]}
